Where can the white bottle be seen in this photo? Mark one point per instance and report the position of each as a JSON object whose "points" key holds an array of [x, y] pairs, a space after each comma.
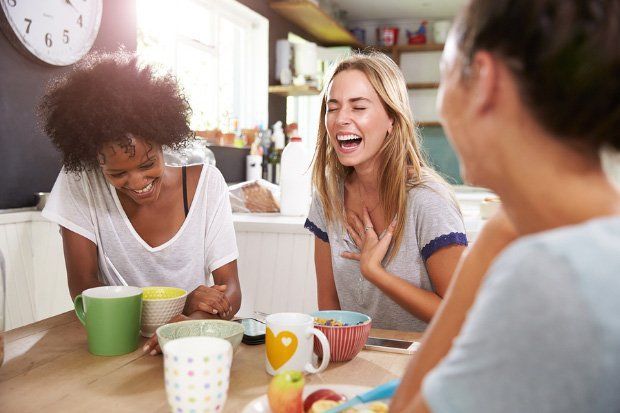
{"points": [[278, 140], [295, 179]]}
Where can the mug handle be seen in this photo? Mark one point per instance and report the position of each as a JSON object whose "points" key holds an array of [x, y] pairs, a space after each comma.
{"points": [[78, 304], [326, 353]]}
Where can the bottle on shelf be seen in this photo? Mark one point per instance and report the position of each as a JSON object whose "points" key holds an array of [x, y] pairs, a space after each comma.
{"points": [[295, 190], [265, 144], [275, 151]]}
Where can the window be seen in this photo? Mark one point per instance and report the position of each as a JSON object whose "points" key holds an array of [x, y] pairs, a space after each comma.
{"points": [[218, 49]]}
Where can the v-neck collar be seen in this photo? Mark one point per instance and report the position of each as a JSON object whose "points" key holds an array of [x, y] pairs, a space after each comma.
{"points": [[137, 236]]}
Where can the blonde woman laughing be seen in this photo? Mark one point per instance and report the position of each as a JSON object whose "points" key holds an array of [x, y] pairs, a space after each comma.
{"points": [[388, 230]]}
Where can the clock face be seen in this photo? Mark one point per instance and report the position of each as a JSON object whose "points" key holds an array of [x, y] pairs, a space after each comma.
{"points": [[59, 32]]}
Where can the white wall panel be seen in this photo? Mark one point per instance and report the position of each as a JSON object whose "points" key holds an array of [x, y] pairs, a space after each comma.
{"points": [[51, 291], [420, 67], [423, 105], [16, 246]]}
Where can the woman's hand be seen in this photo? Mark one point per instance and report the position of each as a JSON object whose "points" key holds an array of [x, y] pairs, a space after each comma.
{"points": [[152, 345], [373, 248], [211, 300]]}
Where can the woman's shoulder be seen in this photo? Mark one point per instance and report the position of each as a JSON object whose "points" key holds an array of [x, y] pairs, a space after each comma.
{"points": [[211, 179], [431, 191]]}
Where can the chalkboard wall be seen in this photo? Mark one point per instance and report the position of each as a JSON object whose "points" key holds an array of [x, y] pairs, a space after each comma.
{"points": [[28, 162]]}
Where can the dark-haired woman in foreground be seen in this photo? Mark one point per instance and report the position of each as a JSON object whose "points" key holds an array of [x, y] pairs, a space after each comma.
{"points": [[125, 215], [529, 97]]}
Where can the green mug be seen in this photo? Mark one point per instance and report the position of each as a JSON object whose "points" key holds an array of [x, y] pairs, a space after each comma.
{"points": [[111, 316]]}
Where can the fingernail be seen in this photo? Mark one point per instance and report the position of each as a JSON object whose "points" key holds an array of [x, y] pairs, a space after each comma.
{"points": [[145, 348], [153, 352], [214, 311]]}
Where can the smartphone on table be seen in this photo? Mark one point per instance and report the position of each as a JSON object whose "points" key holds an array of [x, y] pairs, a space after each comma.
{"points": [[392, 345], [253, 331]]}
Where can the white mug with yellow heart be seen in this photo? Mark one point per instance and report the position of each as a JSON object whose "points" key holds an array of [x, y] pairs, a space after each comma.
{"points": [[290, 342]]}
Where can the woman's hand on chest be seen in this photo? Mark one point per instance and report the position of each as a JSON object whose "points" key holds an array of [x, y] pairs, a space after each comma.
{"points": [[373, 247]]}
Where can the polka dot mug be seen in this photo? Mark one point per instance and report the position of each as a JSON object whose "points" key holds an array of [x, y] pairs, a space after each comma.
{"points": [[196, 373]]}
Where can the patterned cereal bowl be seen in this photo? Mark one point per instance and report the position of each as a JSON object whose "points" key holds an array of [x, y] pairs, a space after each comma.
{"points": [[159, 305], [227, 330], [346, 331]]}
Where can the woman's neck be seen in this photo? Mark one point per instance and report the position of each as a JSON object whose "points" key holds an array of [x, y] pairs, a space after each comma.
{"points": [[549, 185], [367, 177]]}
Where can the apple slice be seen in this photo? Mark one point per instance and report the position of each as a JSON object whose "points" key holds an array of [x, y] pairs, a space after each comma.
{"points": [[322, 394]]}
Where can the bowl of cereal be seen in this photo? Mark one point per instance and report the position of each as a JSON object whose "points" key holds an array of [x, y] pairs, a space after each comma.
{"points": [[346, 332]]}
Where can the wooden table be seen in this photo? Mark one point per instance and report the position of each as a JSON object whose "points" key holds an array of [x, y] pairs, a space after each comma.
{"points": [[47, 367]]}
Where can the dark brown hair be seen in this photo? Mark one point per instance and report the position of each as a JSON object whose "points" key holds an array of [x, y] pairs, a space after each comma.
{"points": [[565, 56], [105, 98]]}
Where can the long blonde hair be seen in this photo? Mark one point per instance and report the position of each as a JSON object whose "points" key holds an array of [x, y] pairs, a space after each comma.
{"points": [[402, 165]]}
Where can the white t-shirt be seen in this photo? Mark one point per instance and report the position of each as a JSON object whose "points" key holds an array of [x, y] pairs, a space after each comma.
{"points": [[86, 204]]}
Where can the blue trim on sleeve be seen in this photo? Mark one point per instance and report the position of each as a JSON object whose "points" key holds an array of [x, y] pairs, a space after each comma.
{"points": [[453, 238], [320, 234]]}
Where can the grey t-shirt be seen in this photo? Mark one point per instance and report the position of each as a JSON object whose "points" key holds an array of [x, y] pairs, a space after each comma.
{"points": [[544, 332], [433, 221]]}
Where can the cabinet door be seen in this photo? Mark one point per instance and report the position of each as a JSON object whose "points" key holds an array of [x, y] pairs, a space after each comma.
{"points": [[423, 105], [420, 67], [276, 272]]}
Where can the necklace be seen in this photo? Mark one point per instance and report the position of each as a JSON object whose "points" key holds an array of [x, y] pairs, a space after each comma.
{"points": [[359, 191]]}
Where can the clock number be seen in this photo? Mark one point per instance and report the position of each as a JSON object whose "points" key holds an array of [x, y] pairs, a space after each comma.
{"points": [[12, 3], [29, 22], [79, 20], [65, 36], [48, 39]]}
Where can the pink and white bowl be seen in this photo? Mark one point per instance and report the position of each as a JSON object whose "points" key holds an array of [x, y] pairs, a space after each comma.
{"points": [[347, 337]]}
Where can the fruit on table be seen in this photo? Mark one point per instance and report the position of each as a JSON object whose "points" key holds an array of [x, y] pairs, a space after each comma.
{"points": [[285, 392], [322, 394], [321, 406]]}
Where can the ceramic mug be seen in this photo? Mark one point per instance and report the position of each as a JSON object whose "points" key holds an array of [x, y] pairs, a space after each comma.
{"points": [[289, 343], [196, 373], [111, 316]]}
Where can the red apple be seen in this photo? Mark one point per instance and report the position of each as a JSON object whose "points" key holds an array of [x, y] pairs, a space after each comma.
{"points": [[322, 394], [285, 392]]}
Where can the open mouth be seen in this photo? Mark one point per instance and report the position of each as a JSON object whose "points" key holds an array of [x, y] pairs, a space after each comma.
{"points": [[144, 191], [349, 142]]}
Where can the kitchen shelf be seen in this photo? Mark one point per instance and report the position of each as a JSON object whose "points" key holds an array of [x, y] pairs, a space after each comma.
{"points": [[292, 90], [315, 21], [414, 48], [427, 85], [428, 123], [431, 47]]}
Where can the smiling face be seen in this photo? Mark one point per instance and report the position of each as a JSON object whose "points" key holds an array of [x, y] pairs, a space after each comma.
{"points": [[135, 167], [355, 119]]}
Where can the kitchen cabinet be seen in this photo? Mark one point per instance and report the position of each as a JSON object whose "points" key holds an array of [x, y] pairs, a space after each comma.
{"points": [[292, 90], [315, 21]]}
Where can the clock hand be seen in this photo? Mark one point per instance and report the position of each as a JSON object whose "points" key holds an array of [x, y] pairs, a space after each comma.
{"points": [[71, 4]]}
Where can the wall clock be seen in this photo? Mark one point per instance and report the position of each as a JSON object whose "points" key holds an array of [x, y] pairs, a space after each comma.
{"points": [[57, 32]]}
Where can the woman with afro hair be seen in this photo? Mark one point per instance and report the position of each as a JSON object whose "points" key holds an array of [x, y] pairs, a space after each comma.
{"points": [[124, 215]]}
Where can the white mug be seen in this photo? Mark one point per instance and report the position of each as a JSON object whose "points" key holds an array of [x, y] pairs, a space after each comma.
{"points": [[290, 342], [196, 373]]}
